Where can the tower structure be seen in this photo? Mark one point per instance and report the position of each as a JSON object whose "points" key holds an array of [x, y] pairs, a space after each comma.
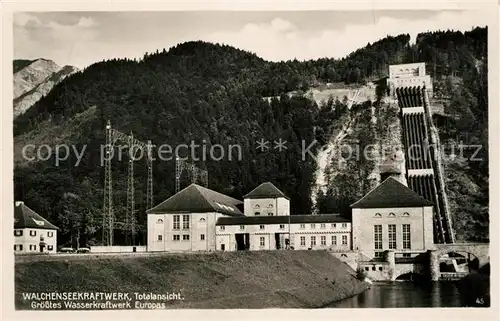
{"points": [[133, 146], [196, 174]]}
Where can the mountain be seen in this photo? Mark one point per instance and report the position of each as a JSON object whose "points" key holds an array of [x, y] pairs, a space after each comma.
{"points": [[213, 95], [33, 79]]}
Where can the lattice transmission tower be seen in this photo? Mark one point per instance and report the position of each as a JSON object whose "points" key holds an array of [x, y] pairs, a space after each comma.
{"points": [[195, 173], [133, 146]]}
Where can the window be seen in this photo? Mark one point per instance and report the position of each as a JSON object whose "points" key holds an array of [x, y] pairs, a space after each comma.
{"points": [[222, 228], [378, 215], [344, 225], [223, 247], [373, 268], [177, 237], [313, 240], [185, 237], [270, 214], [50, 234], [334, 239], [392, 236], [262, 241], [33, 233], [18, 247], [344, 239], [185, 222], [18, 232], [323, 225], [177, 222], [392, 215], [379, 254], [257, 214], [367, 268], [377, 231], [50, 247], [313, 226], [242, 227], [323, 239], [257, 206], [282, 226], [202, 237], [262, 227], [303, 241], [32, 247], [160, 238], [159, 221], [406, 236], [334, 225], [302, 226], [406, 214]]}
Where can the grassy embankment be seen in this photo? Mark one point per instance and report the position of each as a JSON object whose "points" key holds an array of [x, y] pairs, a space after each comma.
{"points": [[284, 279]]}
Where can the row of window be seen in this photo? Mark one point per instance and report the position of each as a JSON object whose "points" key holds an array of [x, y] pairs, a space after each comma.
{"points": [[19, 247], [177, 237], [392, 214], [392, 236], [323, 240], [381, 254], [258, 214], [185, 222], [323, 225], [283, 226], [258, 206], [32, 233]]}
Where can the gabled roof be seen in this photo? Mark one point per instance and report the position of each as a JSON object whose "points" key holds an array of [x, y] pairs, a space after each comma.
{"points": [[282, 219], [25, 217], [198, 199], [391, 193], [265, 190]]}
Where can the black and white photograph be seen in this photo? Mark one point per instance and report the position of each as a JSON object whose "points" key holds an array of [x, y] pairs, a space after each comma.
{"points": [[250, 159]]}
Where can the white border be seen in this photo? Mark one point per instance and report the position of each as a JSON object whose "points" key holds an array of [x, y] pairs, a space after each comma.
{"points": [[8, 313]]}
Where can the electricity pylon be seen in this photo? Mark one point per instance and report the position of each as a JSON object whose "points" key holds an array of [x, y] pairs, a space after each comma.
{"points": [[134, 146]]}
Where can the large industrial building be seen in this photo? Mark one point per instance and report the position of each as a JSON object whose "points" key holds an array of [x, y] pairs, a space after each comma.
{"points": [[390, 217]]}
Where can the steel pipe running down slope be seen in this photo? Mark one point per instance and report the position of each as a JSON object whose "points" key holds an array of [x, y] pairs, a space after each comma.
{"points": [[419, 156]]}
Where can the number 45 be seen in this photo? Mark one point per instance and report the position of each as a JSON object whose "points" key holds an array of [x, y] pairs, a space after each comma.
{"points": [[479, 301]]}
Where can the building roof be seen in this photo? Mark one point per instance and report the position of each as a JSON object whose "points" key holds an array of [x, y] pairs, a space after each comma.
{"points": [[391, 193], [281, 219], [25, 217], [198, 199], [265, 190]]}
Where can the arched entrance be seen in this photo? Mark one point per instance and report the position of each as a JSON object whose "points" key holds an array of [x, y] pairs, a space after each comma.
{"points": [[411, 276]]}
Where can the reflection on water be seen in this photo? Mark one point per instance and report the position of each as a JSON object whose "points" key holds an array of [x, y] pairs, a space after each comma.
{"points": [[404, 295]]}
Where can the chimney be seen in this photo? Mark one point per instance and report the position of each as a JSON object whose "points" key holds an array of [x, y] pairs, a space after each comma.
{"points": [[19, 203]]}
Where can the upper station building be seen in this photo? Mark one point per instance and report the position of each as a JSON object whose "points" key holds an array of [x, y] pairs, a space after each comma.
{"points": [[408, 75], [33, 233]]}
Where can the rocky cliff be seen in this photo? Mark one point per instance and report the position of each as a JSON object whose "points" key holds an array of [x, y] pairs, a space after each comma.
{"points": [[34, 79]]}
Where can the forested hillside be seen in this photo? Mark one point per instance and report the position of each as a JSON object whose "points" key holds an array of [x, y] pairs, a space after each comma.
{"points": [[213, 93]]}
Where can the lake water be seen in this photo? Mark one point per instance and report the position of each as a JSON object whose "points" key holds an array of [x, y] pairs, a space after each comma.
{"points": [[404, 295]]}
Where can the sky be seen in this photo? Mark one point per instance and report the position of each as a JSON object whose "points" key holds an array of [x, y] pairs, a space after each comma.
{"points": [[83, 38]]}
